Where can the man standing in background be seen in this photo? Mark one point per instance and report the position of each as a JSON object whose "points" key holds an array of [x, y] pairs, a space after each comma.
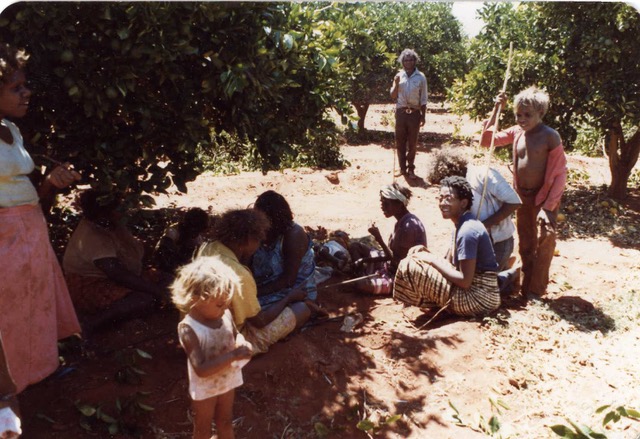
{"points": [[409, 90]]}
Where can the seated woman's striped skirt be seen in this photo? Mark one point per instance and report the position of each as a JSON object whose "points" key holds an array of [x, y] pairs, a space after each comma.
{"points": [[418, 283]]}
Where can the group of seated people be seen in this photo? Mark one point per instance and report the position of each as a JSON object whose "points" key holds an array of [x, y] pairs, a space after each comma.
{"points": [[276, 258], [477, 269], [103, 265]]}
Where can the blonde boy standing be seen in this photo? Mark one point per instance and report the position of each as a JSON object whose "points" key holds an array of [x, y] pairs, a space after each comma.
{"points": [[540, 176]]}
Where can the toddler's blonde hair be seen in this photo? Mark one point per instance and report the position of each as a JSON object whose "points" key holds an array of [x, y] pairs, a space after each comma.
{"points": [[207, 277], [532, 97]]}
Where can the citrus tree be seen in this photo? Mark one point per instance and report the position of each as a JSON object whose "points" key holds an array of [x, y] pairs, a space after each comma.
{"points": [[601, 72], [131, 93], [367, 62], [586, 55], [433, 32], [374, 34]]}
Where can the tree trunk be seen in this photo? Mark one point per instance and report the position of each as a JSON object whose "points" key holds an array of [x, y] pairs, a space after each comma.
{"points": [[623, 156], [362, 109]]}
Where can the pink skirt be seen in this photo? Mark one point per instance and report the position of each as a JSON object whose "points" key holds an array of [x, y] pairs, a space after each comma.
{"points": [[36, 310]]}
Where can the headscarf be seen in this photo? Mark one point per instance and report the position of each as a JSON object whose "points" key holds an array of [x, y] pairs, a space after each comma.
{"points": [[391, 192]]}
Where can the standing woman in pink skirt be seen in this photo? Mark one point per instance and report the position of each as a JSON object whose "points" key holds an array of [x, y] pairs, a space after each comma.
{"points": [[35, 303]]}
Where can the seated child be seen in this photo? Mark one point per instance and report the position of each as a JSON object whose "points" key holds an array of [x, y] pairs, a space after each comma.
{"points": [[180, 241], [216, 352]]}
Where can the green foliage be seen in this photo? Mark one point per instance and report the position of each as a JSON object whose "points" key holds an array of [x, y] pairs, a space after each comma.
{"points": [[634, 179], [491, 426], [93, 414], [577, 177], [586, 55], [130, 92], [576, 431], [616, 414], [503, 155], [128, 411], [373, 35], [227, 153], [589, 139], [322, 431], [367, 60], [129, 371], [488, 58], [369, 425], [432, 31]]}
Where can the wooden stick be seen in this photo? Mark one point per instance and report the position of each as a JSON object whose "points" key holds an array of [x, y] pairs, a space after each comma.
{"points": [[446, 305], [49, 159], [346, 282], [495, 129], [393, 171]]}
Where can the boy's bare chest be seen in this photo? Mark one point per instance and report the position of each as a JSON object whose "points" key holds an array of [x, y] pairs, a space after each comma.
{"points": [[532, 148]]}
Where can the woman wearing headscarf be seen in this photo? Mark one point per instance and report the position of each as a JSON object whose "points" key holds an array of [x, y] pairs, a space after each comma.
{"points": [[407, 232]]}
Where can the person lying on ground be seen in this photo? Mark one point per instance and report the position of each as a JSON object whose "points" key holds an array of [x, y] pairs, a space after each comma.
{"points": [[238, 234], [540, 177], [407, 233], [465, 282], [285, 259], [335, 251], [180, 241], [103, 265]]}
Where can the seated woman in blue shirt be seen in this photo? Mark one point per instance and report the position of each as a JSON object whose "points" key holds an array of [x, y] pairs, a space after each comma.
{"points": [[466, 280]]}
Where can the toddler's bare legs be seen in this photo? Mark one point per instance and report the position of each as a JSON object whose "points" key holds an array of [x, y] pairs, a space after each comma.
{"points": [[224, 415], [203, 412]]}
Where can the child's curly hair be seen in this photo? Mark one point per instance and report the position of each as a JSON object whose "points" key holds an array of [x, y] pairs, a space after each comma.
{"points": [[207, 277], [445, 163], [460, 186], [11, 59], [237, 226]]}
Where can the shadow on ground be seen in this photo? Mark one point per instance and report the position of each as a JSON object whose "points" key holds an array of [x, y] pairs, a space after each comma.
{"points": [[590, 213], [581, 314]]}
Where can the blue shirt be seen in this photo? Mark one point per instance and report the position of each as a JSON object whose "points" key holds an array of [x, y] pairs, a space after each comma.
{"points": [[473, 242]]}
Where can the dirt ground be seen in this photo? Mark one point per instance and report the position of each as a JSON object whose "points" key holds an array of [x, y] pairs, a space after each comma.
{"points": [[513, 374]]}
